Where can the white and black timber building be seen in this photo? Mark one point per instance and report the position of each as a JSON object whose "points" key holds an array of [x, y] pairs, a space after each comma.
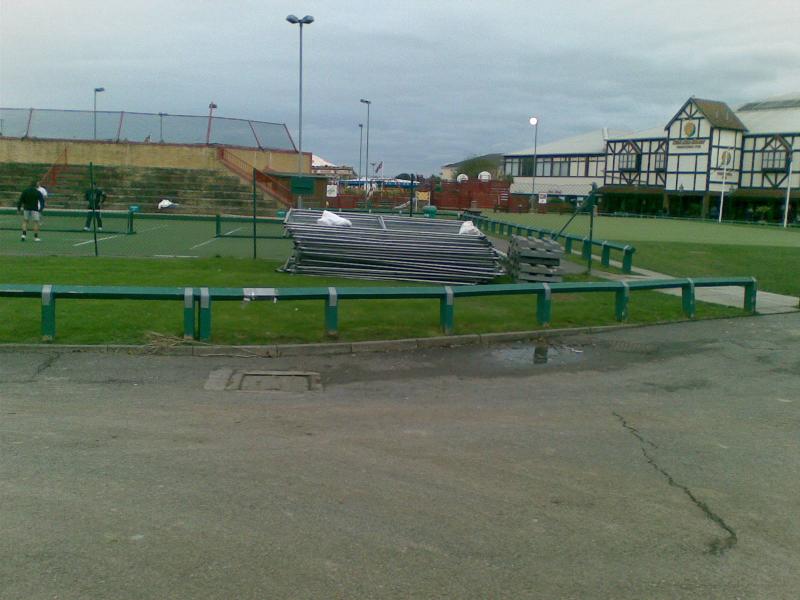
{"points": [[680, 169]]}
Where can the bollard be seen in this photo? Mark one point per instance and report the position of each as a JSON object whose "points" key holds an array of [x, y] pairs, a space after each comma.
{"points": [[446, 317], [48, 313], [688, 300], [188, 313], [332, 313], [205, 314], [544, 305], [623, 296], [750, 293]]}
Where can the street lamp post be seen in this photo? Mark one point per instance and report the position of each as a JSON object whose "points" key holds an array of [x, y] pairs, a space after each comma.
{"points": [[161, 126], [366, 161], [727, 157], [97, 90], [307, 20], [360, 145], [788, 187], [535, 122], [211, 107]]}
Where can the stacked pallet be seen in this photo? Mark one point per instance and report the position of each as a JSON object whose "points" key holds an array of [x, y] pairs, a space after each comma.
{"points": [[391, 248], [534, 259]]}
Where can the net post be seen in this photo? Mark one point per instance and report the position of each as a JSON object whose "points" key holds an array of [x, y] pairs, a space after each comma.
{"points": [[93, 207], [217, 225]]}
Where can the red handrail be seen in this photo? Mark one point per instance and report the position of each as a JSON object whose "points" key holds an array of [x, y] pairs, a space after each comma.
{"points": [[267, 183], [51, 177]]}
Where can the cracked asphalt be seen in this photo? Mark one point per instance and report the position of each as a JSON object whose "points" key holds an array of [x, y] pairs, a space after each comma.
{"points": [[652, 462]]}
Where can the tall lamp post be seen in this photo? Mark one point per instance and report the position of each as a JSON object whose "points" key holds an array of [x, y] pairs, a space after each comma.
{"points": [[307, 20], [366, 161], [97, 90], [161, 126], [535, 123], [360, 145], [211, 107], [788, 187], [727, 157]]}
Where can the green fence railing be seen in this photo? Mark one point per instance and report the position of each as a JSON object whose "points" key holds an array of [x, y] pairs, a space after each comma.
{"points": [[493, 226], [198, 302]]}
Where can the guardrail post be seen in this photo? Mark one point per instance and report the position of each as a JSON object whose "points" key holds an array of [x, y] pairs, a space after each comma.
{"points": [[332, 313], [205, 314], [687, 296], [188, 313], [750, 293], [217, 225], [627, 259], [586, 251], [542, 233], [446, 310], [530, 232], [48, 314], [623, 295], [605, 256], [493, 226], [568, 245], [544, 305]]}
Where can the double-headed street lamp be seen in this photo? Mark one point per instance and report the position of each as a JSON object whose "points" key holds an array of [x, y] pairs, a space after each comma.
{"points": [[535, 123], [97, 90], [366, 162], [307, 20]]}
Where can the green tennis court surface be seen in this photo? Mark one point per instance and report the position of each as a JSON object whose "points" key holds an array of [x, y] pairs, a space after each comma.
{"points": [[62, 234]]}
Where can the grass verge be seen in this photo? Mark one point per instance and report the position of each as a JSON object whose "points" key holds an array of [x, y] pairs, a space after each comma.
{"points": [[128, 322]]}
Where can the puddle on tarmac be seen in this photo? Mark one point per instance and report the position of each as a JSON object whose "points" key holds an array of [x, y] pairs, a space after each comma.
{"points": [[537, 354]]}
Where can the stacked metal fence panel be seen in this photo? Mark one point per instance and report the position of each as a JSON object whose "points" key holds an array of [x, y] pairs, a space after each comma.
{"points": [[390, 247], [534, 259]]}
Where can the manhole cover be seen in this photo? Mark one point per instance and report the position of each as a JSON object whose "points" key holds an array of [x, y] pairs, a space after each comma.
{"points": [[263, 381]]}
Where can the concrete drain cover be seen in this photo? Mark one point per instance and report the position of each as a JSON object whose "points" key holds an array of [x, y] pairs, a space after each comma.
{"points": [[263, 381]]}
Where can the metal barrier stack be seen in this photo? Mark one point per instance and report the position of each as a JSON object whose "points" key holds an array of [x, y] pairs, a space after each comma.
{"points": [[390, 247]]}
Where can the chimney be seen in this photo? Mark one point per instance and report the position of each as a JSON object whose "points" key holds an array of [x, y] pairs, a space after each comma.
{"points": [[605, 134]]}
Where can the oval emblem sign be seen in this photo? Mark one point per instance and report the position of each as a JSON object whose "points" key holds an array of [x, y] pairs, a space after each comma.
{"points": [[689, 129]]}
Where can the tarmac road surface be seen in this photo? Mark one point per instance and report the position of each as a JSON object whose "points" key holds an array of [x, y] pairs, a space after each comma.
{"points": [[651, 462]]}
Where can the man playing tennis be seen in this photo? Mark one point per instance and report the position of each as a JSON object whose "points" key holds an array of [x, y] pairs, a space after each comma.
{"points": [[30, 205]]}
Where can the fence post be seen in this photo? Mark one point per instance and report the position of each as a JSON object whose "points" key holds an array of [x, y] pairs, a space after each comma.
{"points": [[586, 251], [332, 313], [750, 293], [627, 259], [544, 305], [605, 256], [188, 313], [530, 232], [48, 313], [567, 245], [446, 316], [687, 297], [205, 314], [623, 295]]}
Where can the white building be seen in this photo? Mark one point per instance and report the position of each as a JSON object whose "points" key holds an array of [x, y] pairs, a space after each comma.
{"points": [[681, 168]]}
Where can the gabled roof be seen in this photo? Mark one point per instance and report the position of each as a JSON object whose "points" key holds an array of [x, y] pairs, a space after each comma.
{"points": [[779, 114], [498, 158], [593, 142], [719, 114]]}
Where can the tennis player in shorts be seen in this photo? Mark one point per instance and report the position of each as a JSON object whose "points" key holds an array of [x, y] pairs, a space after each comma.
{"points": [[30, 205]]}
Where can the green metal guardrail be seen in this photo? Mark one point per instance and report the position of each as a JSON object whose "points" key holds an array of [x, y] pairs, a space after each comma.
{"points": [[503, 228], [198, 302]]}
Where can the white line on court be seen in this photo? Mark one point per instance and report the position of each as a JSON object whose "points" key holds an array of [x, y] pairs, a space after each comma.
{"points": [[175, 256], [215, 238], [110, 237]]}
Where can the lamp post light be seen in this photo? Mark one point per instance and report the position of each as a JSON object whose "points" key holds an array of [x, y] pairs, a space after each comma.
{"points": [[307, 20], [360, 145], [535, 123], [97, 90], [161, 126], [366, 161]]}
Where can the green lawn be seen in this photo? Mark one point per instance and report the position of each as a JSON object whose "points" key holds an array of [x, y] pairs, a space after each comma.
{"points": [[695, 248], [281, 322]]}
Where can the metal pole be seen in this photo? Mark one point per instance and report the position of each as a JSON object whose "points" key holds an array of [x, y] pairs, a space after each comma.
{"points": [[254, 213], [722, 194], [300, 118], [360, 145], [533, 173], [94, 115], [411, 198], [788, 188], [161, 127], [366, 161], [591, 236], [94, 206]]}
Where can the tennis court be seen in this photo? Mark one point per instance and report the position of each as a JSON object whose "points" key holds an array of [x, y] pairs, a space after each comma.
{"points": [[146, 235]]}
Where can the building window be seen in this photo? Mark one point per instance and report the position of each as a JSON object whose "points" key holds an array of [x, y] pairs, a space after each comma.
{"points": [[660, 161], [774, 160], [544, 167], [560, 167], [629, 162]]}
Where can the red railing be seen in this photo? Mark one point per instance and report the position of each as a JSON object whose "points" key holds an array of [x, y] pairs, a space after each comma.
{"points": [[50, 179], [269, 184]]}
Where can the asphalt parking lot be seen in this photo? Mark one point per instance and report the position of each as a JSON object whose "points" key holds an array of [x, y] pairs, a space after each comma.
{"points": [[651, 462]]}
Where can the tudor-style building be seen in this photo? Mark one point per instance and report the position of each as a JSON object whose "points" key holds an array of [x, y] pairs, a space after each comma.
{"points": [[682, 168]]}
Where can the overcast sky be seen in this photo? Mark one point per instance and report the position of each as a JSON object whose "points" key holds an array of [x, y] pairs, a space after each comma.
{"points": [[448, 79]]}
